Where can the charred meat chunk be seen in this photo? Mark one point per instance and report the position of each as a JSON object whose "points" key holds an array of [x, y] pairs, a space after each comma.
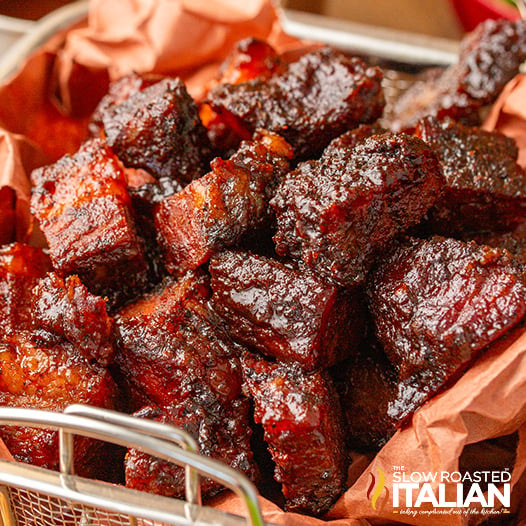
{"points": [[375, 404], [251, 58], [118, 91], [21, 266], [84, 210], [215, 211], [169, 350], [303, 427], [313, 101], [338, 213], [438, 303], [65, 308], [489, 57], [50, 376], [485, 187], [222, 432], [158, 129], [290, 315]]}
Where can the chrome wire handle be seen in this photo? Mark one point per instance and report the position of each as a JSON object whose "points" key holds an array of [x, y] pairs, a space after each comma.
{"points": [[160, 440], [150, 427]]}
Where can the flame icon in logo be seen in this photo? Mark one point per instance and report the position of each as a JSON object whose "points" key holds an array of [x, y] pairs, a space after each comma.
{"points": [[373, 496]]}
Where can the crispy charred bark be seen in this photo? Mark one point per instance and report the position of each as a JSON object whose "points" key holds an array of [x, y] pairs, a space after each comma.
{"points": [[303, 427], [489, 57], [341, 145], [84, 210], [218, 209], [158, 129], [290, 315], [485, 187], [316, 99], [338, 213], [118, 91]]}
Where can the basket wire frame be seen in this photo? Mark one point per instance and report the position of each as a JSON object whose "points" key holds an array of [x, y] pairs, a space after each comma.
{"points": [[32, 496]]}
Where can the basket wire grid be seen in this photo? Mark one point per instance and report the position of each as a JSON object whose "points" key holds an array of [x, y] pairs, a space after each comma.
{"points": [[32, 496]]}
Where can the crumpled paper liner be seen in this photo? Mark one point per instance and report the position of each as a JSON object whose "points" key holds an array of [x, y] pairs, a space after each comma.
{"points": [[508, 114], [43, 112]]}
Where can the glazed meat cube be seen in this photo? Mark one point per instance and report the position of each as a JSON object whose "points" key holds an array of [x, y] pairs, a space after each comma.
{"points": [[251, 58], [221, 431], [118, 91], [485, 187], [21, 266], [169, 350], [84, 210], [375, 404], [65, 308], [290, 315], [313, 101], [158, 129], [215, 211], [336, 214], [303, 427], [51, 376], [437, 304], [145, 189], [489, 57]]}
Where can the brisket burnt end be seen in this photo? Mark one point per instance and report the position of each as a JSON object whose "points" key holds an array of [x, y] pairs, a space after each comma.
{"points": [[485, 188], [168, 350], [290, 315], [303, 427], [158, 129], [316, 99], [437, 304], [222, 431], [118, 91], [84, 210], [217, 210], [489, 57], [338, 213]]}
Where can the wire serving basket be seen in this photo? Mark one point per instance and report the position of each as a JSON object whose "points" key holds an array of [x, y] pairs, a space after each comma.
{"points": [[32, 496]]}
